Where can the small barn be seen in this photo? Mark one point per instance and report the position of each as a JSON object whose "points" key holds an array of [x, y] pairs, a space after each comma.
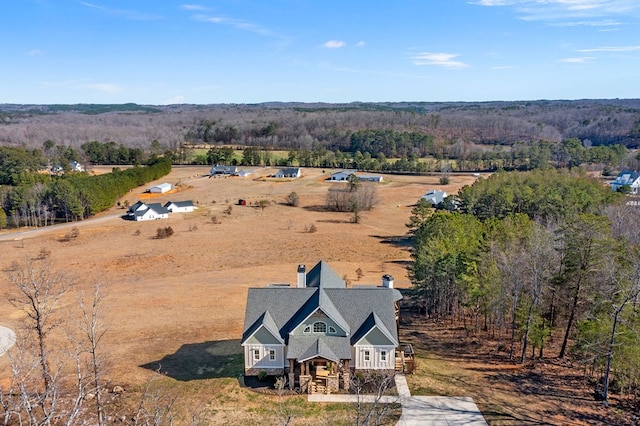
{"points": [[370, 178], [180, 206], [161, 188]]}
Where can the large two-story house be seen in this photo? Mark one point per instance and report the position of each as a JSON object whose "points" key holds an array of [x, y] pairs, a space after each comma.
{"points": [[320, 331]]}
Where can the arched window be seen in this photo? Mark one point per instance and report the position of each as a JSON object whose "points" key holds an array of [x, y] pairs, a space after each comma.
{"points": [[307, 329], [332, 330], [319, 327]]}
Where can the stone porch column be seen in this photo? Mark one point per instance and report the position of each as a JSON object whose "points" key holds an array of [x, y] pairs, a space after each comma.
{"points": [[292, 374]]}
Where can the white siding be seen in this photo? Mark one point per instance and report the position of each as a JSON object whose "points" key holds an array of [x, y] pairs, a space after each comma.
{"points": [[263, 360], [374, 360]]}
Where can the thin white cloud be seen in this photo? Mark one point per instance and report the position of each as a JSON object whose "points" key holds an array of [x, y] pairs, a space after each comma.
{"points": [[566, 10], [121, 13], [360, 43], [446, 60], [35, 52], [612, 49], [192, 7], [602, 23], [235, 23], [578, 60], [334, 44]]}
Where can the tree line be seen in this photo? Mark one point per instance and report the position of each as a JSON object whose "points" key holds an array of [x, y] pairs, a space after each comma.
{"points": [[375, 150], [70, 197], [537, 258]]}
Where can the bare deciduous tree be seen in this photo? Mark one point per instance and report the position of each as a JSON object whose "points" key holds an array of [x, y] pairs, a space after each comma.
{"points": [[38, 288], [370, 388]]}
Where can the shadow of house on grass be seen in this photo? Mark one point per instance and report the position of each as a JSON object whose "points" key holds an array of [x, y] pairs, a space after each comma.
{"points": [[198, 361]]}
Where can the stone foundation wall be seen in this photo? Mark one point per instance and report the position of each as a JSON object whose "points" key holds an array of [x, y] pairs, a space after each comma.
{"points": [[304, 383], [269, 371]]}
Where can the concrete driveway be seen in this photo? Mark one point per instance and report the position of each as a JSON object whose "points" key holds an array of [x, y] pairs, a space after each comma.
{"points": [[440, 411], [421, 410]]}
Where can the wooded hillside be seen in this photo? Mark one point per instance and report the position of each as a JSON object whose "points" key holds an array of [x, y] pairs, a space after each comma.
{"points": [[304, 125]]}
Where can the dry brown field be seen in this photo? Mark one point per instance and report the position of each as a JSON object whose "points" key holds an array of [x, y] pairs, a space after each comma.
{"points": [[177, 304], [166, 297]]}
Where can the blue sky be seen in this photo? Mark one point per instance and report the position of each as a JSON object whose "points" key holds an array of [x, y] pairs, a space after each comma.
{"points": [[247, 51]]}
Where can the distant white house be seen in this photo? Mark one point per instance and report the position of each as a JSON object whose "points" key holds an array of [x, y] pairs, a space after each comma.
{"points": [[341, 176], [289, 172], [76, 167], [627, 178], [434, 196], [141, 211], [222, 169], [161, 188], [344, 175], [179, 206], [243, 173]]}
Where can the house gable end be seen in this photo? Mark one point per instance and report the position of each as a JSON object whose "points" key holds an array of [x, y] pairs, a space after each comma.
{"points": [[312, 322], [375, 337]]}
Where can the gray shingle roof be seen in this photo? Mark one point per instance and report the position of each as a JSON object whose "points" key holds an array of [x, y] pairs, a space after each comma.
{"points": [[323, 273], [265, 321], [333, 348], [372, 321], [357, 310], [187, 203]]}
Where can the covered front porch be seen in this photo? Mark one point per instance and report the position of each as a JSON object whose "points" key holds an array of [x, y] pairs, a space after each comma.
{"points": [[319, 375]]}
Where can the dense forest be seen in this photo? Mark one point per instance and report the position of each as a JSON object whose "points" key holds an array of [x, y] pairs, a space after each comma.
{"points": [[411, 137], [300, 125], [533, 258], [422, 137]]}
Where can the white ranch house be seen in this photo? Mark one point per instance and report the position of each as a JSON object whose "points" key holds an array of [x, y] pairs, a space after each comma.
{"points": [[343, 176], [434, 196], [222, 169], [320, 332], [289, 172], [180, 206], [142, 211], [627, 178]]}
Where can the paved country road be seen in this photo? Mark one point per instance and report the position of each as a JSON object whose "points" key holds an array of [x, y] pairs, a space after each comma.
{"points": [[34, 232]]}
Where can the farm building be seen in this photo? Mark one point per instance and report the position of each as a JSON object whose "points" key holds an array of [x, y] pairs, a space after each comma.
{"points": [[161, 188], [370, 178], [141, 211], [320, 332], [289, 172], [344, 175], [179, 206], [341, 176]]}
